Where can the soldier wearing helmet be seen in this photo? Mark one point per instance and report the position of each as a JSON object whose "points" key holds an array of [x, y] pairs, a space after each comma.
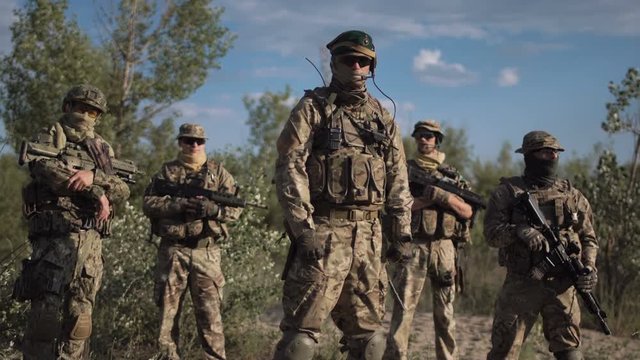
{"points": [[522, 245], [439, 226], [68, 211], [340, 164], [189, 256]]}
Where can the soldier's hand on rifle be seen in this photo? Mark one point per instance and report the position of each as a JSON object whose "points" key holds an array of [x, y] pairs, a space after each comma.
{"points": [[200, 208], [436, 195], [104, 210], [310, 247], [532, 237], [401, 250], [588, 280], [81, 180]]}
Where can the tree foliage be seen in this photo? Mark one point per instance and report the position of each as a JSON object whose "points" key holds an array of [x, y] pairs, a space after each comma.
{"points": [[623, 114]]}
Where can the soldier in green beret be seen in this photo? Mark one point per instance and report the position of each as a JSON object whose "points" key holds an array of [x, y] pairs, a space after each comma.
{"points": [[521, 246], [340, 164], [189, 256]]}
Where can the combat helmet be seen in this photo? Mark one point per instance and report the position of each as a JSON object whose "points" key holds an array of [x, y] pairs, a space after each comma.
{"points": [[353, 42], [538, 139], [191, 131], [429, 125], [87, 94]]}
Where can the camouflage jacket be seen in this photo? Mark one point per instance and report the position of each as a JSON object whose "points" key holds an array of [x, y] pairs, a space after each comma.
{"points": [[167, 213], [563, 206], [47, 192], [368, 173]]}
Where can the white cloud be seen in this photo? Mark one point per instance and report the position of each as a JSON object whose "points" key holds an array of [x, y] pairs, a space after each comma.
{"points": [[508, 77], [432, 69], [316, 22]]}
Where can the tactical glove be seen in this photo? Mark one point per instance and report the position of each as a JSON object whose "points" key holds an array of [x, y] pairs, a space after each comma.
{"points": [[588, 281], [401, 250], [310, 247], [202, 208], [532, 237], [436, 195]]}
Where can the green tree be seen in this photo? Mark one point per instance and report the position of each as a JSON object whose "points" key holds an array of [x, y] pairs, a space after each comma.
{"points": [[623, 114], [615, 211], [49, 54], [152, 56]]}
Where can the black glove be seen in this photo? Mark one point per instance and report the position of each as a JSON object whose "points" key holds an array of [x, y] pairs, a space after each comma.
{"points": [[202, 208], [532, 237], [401, 250], [310, 247], [587, 281]]}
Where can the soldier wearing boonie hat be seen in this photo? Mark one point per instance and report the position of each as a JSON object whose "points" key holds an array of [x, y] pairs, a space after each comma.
{"points": [[189, 254], [522, 246], [331, 129]]}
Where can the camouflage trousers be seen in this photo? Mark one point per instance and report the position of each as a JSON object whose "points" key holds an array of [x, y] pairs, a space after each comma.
{"points": [[517, 307], [437, 260], [198, 269], [68, 269], [349, 283]]}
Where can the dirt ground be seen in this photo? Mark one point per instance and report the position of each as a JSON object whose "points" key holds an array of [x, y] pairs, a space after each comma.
{"points": [[473, 335]]}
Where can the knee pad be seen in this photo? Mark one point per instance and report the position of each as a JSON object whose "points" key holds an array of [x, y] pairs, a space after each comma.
{"points": [[571, 354], [295, 346], [371, 347], [81, 329]]}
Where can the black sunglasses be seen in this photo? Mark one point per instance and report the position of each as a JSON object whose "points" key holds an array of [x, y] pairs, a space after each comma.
{"points": [[191, 141], [350, 60], [425, 134]]}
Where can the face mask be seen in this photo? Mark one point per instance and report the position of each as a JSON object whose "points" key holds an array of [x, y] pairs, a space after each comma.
{"points": [[78, 125], [540, 170]]}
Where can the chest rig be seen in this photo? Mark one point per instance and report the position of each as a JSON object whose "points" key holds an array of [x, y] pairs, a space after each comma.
{"points": [[560, 211], [433, 222], [346, 165]]}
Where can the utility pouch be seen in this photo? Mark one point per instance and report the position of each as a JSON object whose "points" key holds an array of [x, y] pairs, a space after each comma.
{"points": [[334, 138], [23, 288]]}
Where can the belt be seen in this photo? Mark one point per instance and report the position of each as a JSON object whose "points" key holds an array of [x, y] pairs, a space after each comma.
{"points": [[347, 214], [192, 243]]}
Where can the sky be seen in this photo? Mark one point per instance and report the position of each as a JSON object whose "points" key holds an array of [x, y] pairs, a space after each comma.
{"points": [[497, 68]]}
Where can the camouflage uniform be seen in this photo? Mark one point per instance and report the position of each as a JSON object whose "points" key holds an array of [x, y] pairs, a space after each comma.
{"points": [[333, 179], [522, 298], [63, 275], [189, 254], [436, 235]]}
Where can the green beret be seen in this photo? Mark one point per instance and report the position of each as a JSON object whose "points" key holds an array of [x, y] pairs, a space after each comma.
{"points": [[352, 42]]}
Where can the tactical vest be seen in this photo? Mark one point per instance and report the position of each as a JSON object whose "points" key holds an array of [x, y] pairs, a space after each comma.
{"points": [[50, 214], [179, 229], [559, 209], [433, 222], [346, 165]]}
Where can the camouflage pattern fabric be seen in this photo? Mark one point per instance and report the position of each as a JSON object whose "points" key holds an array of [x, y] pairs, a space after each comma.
{"points": [[349, 282], [434, 256], [189, 258], [66, 264], [522, 299]]}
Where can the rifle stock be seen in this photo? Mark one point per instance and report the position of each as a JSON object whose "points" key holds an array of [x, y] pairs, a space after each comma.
{"points": [[558, 257]]}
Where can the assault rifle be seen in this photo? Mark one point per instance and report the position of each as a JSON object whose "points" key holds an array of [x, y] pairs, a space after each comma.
{"points": [[165, 187], [76, 158], [561, 257], [424, 178]]}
